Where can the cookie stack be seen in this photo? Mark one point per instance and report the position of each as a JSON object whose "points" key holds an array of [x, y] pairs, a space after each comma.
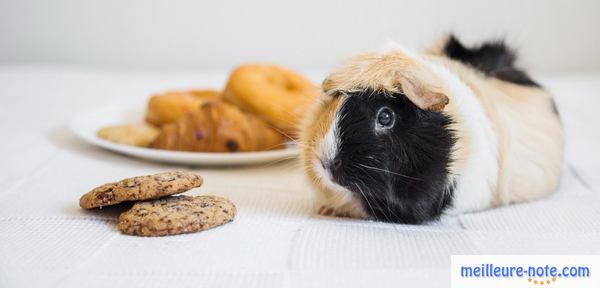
{"points": [[158, 213]]}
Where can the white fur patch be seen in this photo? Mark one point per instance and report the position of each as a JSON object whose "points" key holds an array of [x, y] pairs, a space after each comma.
{"points": [[475, 185], [326, 152], [329, 144], [339, 196], [340, 199]]}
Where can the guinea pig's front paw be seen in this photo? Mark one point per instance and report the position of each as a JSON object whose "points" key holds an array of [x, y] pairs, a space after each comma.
{"points": [[326, 211]]}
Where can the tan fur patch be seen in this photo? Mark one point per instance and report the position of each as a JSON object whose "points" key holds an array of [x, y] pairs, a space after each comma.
{"points": [[394, 72], [316, 125], [530, 135]]}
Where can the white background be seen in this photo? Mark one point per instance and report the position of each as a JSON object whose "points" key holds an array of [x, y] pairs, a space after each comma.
{"points": [[554, 36]]}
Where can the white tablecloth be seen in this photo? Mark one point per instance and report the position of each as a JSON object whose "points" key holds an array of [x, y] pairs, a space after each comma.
{"points": [[46, 240]]}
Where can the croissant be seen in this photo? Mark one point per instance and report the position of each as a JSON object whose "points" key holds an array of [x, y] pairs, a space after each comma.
{"points": [[218, 127], [167, 107]]}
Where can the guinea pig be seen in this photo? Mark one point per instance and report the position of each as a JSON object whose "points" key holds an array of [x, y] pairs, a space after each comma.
{"points": [[407, 137]]}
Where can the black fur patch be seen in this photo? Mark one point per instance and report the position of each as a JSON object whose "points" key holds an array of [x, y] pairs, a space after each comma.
{"points": [[493, 58], [400, 174]]}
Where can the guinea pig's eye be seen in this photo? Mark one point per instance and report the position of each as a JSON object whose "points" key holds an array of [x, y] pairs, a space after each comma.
{"points": [[385, 117]]}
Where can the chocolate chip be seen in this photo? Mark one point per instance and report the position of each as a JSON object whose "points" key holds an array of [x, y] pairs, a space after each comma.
{"points": [[199, 134], [232, 145]]}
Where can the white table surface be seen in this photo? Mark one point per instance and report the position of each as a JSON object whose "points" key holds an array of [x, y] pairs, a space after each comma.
{"points": [[46, 240]]}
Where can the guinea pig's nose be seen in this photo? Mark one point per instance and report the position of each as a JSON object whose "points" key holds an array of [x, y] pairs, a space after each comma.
{"points": [[336, 164], [334, 167]]}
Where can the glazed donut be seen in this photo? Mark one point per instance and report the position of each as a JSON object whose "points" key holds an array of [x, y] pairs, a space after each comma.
{"points": [[279, 96], [167, 107]]}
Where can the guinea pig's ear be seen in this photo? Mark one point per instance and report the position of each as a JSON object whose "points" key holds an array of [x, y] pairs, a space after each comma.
{"points": [[327, 85], [423, 89]]}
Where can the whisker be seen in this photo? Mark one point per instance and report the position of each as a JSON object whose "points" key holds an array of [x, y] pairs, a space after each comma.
{"points": [[390, 212], [292, 139], [366, 200], [390, 172], [275, 162], [376, 201]]}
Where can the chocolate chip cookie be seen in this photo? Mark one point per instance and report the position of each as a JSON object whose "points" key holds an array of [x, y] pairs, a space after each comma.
{"points": [[176, 215], [140, 188]]}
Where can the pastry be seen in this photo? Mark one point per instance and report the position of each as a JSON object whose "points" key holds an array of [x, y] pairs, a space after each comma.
{"points": [[218, 127], [170, 106], [279, 96], [130, 134]]}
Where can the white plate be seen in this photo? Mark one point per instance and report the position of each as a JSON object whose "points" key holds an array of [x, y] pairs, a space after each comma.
{"points": [[86, 124]]}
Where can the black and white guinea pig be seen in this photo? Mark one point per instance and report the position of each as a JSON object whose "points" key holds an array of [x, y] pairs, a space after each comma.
{"points": [[404, 137]]}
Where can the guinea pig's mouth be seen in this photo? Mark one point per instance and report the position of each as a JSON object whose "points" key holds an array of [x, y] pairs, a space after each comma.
{"points": [[340, 198], [352, 198], [323, 169]]}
